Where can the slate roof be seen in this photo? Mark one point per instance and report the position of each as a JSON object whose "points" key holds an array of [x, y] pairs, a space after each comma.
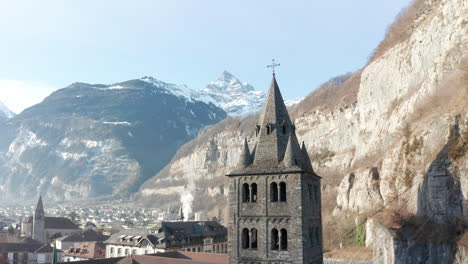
{"points": [[14, 243], [179, 234], [56, 223], [172, 234], [131, 237], [86, 236], [276, 149]]}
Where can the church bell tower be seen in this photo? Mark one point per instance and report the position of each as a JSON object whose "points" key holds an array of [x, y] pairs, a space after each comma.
{"points": [[274, 194], [38, 227]]}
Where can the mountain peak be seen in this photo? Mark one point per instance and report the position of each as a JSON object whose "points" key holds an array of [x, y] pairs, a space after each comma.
{"points": [[227, 82], [227, 76], [235, 97], [5, 113]]}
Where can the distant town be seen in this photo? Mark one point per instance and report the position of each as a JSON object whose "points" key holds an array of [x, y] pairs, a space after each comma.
{"points": [[69, 233]]}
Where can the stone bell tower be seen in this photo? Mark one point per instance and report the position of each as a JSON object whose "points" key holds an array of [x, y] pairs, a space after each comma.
{"points": [[274, 195], [38, 226]]}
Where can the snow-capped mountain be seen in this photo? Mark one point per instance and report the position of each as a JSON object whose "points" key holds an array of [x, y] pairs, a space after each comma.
{"points": [[5, 113], [235, 97], [95, 140]]}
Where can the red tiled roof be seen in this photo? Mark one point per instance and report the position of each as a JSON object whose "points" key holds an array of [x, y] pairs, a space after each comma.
{"points": [[183, 258]]}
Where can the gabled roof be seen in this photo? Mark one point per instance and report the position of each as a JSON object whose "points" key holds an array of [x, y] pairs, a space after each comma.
{"points": [[86, 236], [123, 237], [14, 243], [56, 223]]}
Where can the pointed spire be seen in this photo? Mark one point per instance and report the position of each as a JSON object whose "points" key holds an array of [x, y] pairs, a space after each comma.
{"points": [[289, 159], [274, 108], [245, 158], [293, 154], [307, 162], [40, 206], [274, 127]]}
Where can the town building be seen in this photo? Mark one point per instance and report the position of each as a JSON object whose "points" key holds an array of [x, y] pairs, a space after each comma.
{"points": [[274, 194], [192, 236], [74, 239], [25, 250], [43, 228], [85, 251]]}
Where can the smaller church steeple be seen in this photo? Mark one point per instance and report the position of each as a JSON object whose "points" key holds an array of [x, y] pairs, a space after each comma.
{"points": [[39, 207], [38, 228], [293, 155], [245, 158]]}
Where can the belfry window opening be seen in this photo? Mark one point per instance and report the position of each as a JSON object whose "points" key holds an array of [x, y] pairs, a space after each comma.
{"points": [[274, 192], [253, 235], [274, 239], [284, 239], [253, 190], [245, 238], [245, 193], [282, 192]]}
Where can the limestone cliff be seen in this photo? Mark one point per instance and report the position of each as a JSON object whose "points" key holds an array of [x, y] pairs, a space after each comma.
{"points": [[372, 134]]}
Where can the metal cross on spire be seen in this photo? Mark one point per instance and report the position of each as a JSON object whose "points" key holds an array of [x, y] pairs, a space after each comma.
{"points": [[273, 65]]}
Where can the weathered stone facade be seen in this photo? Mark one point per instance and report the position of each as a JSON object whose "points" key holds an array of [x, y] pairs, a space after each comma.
{"points": [[274, 195]]}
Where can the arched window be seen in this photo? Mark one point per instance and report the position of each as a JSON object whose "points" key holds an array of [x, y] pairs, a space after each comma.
{"points": [[282, 192], [253, 235], [274, 192], [284, 239], [274, 239], [253, 189], [268, 128], [245, 238], [257, 129], [245, 193], [284, 129]]}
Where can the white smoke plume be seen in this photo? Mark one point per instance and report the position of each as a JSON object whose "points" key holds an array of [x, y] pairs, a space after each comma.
{"points": [[186, 199]]}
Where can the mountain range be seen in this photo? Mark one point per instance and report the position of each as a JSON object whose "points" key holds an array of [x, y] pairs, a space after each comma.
{"points": [[96, 140]]}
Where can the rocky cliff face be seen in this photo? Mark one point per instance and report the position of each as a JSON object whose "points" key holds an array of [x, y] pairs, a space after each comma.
{"points": [[372, 135], [87, 141]]}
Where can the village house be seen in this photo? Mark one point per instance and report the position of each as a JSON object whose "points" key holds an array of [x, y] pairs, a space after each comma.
{"points": [[15, 249], [74, 239], [204, 236], [85, 251]]}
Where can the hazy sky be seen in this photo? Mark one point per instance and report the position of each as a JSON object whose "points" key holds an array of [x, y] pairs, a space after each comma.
{"points": [[46, 45]]}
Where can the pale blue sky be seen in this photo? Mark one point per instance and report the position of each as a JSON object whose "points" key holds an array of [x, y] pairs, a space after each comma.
{"points": [[49, 44]]}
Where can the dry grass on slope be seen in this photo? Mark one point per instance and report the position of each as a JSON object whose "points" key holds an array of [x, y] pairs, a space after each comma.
{"points": [[338, 91], [450, 95], [403, 26]]}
